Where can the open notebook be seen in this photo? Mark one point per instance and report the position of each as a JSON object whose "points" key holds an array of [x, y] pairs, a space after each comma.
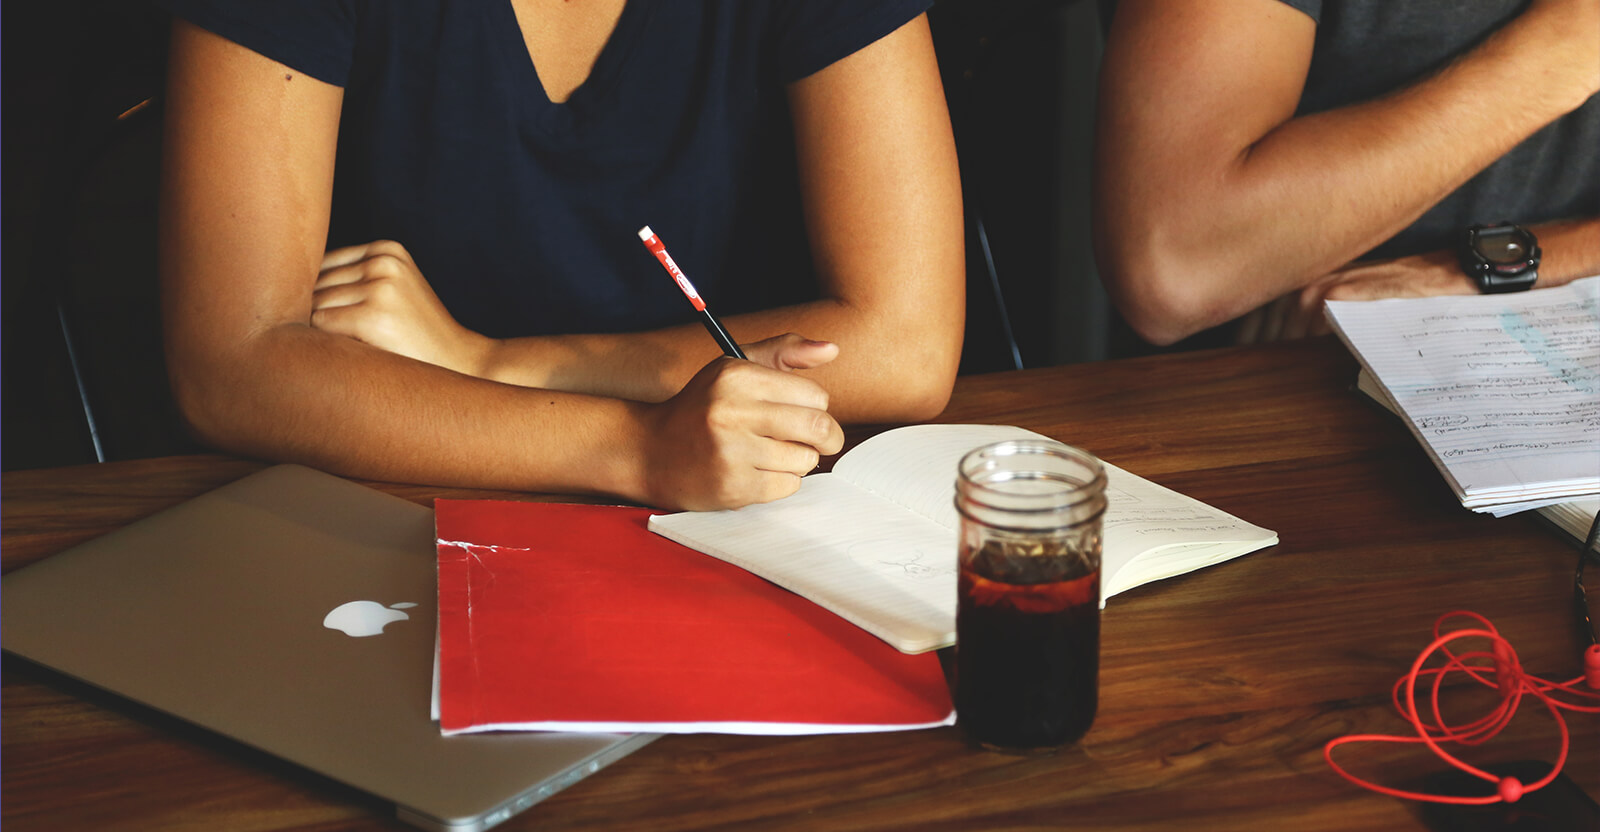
{"points": [[875, 540]]}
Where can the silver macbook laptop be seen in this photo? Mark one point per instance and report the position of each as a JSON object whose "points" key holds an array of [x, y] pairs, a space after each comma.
{"points": [[214, 611]]}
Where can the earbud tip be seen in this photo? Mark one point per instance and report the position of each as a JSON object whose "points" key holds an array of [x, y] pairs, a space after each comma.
{"points": [[1510, 790], [1591, 667]]}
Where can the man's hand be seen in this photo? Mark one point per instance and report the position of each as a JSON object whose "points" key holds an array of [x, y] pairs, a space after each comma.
{"points": [[741, 432], [376, 294], [1299, 314]]}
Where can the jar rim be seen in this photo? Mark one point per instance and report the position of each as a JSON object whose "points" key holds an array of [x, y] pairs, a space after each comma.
{"points": [[993, 523], [1076, 491]]}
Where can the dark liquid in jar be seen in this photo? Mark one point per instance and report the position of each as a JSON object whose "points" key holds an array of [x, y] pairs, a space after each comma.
{"points": [[1027, 660]]}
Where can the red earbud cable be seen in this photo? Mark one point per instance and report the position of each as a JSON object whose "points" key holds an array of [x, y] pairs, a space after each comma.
{"points": [[1504, 673]]}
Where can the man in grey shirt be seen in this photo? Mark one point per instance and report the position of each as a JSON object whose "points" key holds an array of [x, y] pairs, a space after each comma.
{"points": [[1256, 157]]}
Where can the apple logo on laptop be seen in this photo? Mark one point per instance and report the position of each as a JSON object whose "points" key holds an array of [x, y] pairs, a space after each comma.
{"points": [[365, 618]]}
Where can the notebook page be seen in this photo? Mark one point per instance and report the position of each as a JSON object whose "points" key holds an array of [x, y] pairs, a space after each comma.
{"points": [[916, 466], [1504, 390], [864, 547], [1152, 532], [878, 565]]}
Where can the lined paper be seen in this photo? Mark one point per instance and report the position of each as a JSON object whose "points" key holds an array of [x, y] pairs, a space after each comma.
{"points": [[1502, 390]]}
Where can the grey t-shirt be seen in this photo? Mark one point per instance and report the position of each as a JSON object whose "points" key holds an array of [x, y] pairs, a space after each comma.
{"points": [[1367, 48]]}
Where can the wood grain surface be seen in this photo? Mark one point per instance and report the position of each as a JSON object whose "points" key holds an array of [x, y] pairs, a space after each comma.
{"points": [[1218, 688]]}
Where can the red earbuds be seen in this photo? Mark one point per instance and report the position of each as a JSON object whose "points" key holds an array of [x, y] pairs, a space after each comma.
{"points": [[1509, 680]]}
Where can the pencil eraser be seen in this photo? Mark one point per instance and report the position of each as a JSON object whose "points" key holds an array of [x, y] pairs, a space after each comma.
{"points": [[645, 233]]}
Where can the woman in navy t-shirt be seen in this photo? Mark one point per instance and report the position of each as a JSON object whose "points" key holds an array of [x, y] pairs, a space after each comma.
{"points": [[399, 237]]}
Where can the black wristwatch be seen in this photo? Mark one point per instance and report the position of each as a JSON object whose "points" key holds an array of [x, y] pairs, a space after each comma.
{"points": [[1503, 257]]}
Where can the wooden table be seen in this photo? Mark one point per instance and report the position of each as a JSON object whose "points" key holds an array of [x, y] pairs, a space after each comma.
{"points": [[1218, 689]]}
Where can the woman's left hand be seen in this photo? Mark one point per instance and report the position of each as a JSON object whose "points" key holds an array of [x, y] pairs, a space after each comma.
{"points": [[375, 293]]}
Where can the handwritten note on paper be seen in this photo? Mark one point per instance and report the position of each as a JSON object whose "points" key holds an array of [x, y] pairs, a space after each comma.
{"points": [[1503, 390]]}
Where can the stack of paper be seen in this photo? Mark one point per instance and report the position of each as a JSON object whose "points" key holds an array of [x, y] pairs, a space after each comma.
{"points": [[1503, 391], [1572, 517], [1575, 517]]}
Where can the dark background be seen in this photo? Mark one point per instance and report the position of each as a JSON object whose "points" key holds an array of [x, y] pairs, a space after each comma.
{"points": [[78, 211], [79, 185]]}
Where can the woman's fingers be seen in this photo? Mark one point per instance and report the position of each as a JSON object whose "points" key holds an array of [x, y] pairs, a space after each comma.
{"points": [[791, 352], [348, 255], [339, 294]]}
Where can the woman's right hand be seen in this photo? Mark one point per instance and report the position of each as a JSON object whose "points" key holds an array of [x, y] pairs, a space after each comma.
{"points": [[741, 432]]}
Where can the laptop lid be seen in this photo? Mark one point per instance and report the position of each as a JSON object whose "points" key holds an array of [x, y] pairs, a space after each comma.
{"points": [[214, 611]]}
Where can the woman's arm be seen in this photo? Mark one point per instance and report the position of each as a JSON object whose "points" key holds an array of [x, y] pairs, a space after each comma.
{"points": [[882, 195], [1213, 199], [246, 190], [882, 190]]}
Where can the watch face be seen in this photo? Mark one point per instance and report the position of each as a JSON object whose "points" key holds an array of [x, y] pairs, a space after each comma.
{"points": [[1501, 257], [1502, 246]]}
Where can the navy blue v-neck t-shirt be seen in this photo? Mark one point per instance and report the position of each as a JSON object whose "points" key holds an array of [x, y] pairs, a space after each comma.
{"points": [[522, 213]]}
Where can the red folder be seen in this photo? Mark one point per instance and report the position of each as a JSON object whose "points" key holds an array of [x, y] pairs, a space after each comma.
{"points": [[578, 618]]}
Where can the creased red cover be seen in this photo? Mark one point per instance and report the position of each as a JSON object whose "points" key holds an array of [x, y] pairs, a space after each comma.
{"points": [[576, 617]]}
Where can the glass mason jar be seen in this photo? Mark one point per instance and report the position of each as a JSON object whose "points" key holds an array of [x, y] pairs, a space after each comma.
{"points": [[1028, 612]]}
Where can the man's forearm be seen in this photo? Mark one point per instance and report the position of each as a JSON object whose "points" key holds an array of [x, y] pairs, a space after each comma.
{"points": [[1373, 169], [1206, 220]]}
